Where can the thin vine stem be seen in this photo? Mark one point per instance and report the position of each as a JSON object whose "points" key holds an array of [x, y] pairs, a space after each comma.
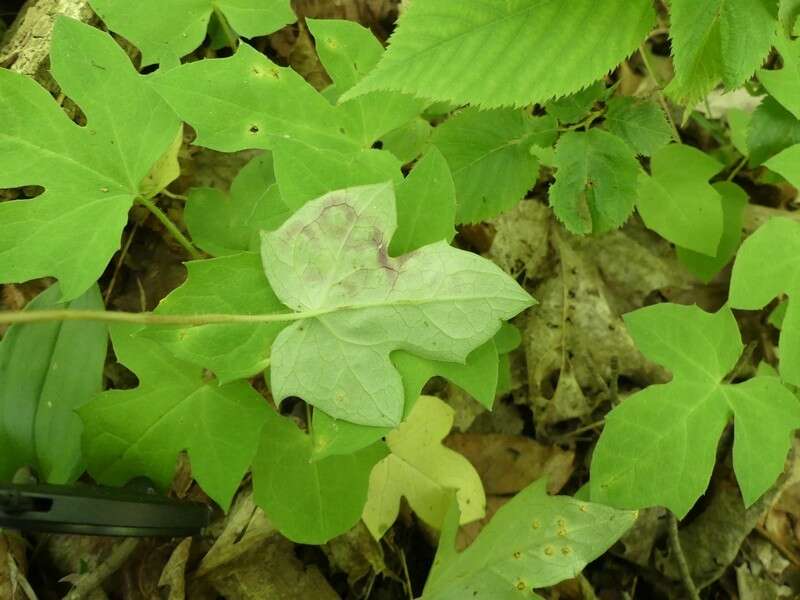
{"points": [[660, 93], [680, 558], [146, 318], [170, 226]]}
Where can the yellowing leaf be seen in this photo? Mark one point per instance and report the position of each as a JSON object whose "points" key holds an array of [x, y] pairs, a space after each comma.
{"points": [[423, 471]]}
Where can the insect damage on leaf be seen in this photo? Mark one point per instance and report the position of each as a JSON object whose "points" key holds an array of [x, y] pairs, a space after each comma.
{"points": [[330, 261]]}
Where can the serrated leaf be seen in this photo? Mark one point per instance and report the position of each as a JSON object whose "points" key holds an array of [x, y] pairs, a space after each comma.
{"points": [[572, 108], [309, 501], [260, 100], [349, 51], [784, 84], [787, 164], [224, 224], [739, 124], [421, 470], [642, 124], [677, 201], [704, 267], [659, 446], [136, 432], [596, 181], [768, 265], [227, 285], [46, 371], [330, 261], [180, 25], [533, 541], [489, 156], [772, 129], [91, 174], [432, 51], [718, 40]]}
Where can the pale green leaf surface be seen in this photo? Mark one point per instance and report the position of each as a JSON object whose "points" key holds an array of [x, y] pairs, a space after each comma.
{"points": [[423, 471], [473, 53], [489, 156], [309, 501], [659, 446], [227, 285], [166, 31], [642, 124], [787, 164], [768, 265], [43, 378], [224, 224], [784, 84], [305, 172], [330, 261], [596, 181], [704, 267], [772, 129], [349, 51], [260, 102], [478, 376], [788, 11], [678, 203], [91, 174], [718, 40], [129, 433], [533, 541]]}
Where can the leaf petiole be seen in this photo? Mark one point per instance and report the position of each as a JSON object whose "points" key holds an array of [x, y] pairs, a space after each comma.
{"points": [[170, 226]]}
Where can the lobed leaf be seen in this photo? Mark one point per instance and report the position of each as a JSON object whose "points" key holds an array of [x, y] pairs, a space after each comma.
{"points": [[91, 175], [176, 407], [533, 541], [180, 25], [423, 471], [330, 261], [659, 446]]}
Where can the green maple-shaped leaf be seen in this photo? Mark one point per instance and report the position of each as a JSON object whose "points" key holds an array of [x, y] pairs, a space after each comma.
{"points": [[175, 407], [91, 175], [784, 84], [423, 471], [348, 52], [705, 267], [596, 181], [489, 156], [309, 501], [226, 285], [718, 40], [330, 263], [432, 53], [768, 265], [677, 201], [224, 224], [533, 541], [659, 446], [642, 124], [165, 31]]}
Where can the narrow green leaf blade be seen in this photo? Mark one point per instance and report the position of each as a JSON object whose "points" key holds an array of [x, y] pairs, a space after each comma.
{"points": [[46, 371]]}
